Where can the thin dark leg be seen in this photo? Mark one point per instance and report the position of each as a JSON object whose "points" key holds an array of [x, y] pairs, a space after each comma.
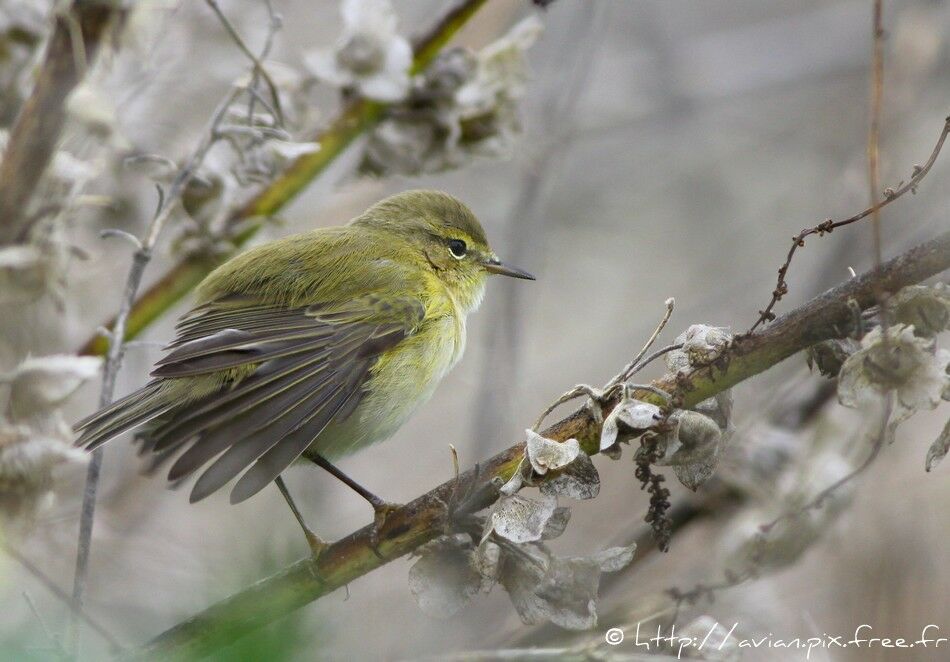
{"points": [[382, 509], [317, 545], [374, 500]]}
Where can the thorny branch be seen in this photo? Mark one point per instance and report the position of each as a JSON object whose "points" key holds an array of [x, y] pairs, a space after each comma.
{"points": [[78, 31], [425, 518], [827, 226]]}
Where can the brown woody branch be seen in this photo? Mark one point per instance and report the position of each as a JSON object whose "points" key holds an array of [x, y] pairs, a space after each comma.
{"points": [[826, 316]]}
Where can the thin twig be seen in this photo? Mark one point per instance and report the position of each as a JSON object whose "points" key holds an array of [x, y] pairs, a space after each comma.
{"points": [[116, 339], [874, 133], [51, 586], [827, 226], [631, 367], [259, 69]]}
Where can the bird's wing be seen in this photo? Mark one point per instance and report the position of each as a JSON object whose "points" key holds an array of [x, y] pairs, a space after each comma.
{"points": [[286, 373]]}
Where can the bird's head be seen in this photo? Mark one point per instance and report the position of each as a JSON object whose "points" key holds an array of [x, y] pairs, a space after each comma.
{"points": [[447, 237]]}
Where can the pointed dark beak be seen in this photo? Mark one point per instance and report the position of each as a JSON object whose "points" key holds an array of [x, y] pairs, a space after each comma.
{"points": [[496, 266]]}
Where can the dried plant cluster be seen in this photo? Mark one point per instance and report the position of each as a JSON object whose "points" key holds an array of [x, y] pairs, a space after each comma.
{"points": [[411, 108]]}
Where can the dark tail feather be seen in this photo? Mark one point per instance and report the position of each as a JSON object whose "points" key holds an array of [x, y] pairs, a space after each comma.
{"points": [[122, 415]]}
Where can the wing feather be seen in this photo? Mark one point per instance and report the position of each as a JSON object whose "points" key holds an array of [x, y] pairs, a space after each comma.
{"points": [[308, 368]]}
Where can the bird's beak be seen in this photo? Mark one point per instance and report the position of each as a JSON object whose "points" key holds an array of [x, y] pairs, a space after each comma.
{"points": [[496, 266]]}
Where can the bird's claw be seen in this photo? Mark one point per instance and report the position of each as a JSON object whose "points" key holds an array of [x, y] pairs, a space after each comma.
{"points": [[382, 510]]}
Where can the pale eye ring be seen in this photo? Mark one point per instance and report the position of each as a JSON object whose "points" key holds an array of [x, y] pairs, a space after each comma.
{"points": [[457, 248]]}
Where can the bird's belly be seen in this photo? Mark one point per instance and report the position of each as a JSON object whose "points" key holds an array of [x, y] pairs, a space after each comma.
{"points": [[403, 379]]}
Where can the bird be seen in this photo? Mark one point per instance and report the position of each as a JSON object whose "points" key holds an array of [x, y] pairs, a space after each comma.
{"points": [[309, 348]]}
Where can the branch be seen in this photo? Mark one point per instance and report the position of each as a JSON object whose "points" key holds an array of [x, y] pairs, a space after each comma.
{"points": [[425, 518], [116, 337], [829, 225], [76, 37], [356, 118]]}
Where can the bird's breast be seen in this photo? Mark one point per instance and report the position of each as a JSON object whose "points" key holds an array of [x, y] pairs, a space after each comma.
{"points": [[403, 378]]}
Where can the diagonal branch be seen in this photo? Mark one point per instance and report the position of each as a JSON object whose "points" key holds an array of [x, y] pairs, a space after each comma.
{"points": [[355, 119], [424, 518], [76, 37]]}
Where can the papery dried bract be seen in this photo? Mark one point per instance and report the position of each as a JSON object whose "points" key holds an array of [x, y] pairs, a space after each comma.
{"points": [[925, 307], [692, 448], [444, 579], [557, 524], [700, 344], [543, 587], [632, 417], [545, 454], [578, 480], [519, 518], [42, 383], [464, 105], [906, 364]]}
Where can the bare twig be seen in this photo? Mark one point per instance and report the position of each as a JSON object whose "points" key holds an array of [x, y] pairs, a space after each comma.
{"points": [[116, 339], [77, 34], [827, 226], [259, 69], [632, 367], [60, 594], [424, 518]]}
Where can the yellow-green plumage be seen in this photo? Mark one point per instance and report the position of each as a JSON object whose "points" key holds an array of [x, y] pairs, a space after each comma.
{"points": [[319, 343]]}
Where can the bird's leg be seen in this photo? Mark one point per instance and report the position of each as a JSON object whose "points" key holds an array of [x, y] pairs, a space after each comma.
{"points": [[317, 544], [382, 509]]}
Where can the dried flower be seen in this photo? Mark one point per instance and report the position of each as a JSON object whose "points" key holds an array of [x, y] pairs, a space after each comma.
{"points": [[463, 106], [370, 57], [701, 343], [906, 364], [628, 420], [545, 454], [34, 438], [520, 519], [925, 307]]}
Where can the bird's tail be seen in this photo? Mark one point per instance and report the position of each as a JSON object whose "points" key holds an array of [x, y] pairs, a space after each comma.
{"points": [[124, 414]]}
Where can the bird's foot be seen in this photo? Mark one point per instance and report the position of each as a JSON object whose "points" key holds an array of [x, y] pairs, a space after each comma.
{"points": [[382, 511], [317, 544]]}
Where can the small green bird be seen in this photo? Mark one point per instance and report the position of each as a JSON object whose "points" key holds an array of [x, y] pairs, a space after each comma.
{"points": [[312, 346]]}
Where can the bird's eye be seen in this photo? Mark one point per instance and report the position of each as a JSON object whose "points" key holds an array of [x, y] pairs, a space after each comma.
{"points": [[457, 248]]}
